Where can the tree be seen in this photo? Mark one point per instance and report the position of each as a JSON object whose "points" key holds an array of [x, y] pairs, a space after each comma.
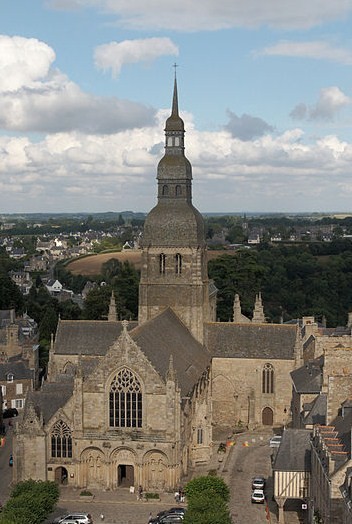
{"points": [[96, 305], [10, 295], [208, 498], [48, 324]]}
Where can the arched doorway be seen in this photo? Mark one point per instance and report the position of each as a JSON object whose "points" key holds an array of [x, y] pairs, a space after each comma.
{"points": [[267, 417], [125, 475], [61, 476]]}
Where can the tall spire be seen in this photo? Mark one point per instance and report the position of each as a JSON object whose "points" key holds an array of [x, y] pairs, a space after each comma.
{"points": [[174, 124], [175, 97]]}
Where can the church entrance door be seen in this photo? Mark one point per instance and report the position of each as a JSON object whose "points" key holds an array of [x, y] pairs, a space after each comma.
{"points": [[61, 476], [267, 417], [125, 476]]}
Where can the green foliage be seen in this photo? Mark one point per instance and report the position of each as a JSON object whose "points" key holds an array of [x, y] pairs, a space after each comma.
{"points": [[124, 280], [86, 493], [31, 502], [151, 496], [96, 305], [10, 295], [207, 501], [48, 324], [212, 486], [295, 281]]}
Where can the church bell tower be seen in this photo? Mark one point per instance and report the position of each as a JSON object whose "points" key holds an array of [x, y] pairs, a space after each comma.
{"points": [[174, 262]]}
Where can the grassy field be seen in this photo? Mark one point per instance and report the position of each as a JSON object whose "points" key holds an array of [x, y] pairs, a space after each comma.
{"points": [[91, 266]]}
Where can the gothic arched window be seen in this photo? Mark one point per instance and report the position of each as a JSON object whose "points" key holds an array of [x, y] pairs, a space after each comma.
{"points": [[125, 401], [178, 190], [268, 379], [162, 263], [165, 190], [61, 440], [178, 264]]}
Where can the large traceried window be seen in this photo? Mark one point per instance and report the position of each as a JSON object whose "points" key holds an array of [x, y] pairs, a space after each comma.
{"points": [[125, 401], [162, 263], [268, 379], [61, 441]]}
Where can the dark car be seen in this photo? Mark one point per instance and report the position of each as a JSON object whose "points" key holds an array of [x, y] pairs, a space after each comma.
{"points": [[179, 510], [169, 516], [9, 413]]}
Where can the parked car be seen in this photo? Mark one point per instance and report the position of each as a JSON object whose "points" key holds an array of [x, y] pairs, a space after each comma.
{"points": [[173, 516], [258, 496], [275, 441], [79, 518], [9, 413], [258, 482], [171, 510]]}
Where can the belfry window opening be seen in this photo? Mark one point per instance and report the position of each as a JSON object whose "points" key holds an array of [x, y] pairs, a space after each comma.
{"points": [[178, 266], [162, 263]]}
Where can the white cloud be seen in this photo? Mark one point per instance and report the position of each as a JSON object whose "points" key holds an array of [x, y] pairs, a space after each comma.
{"points": [[318, 50], [193, 15], [35, 97], [331, 100], [79, 172], [23, 61], [115, 54]]}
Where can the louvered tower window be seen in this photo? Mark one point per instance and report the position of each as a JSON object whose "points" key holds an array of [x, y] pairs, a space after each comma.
{"points": [[178, 263], [125, 401], [162, 263]]}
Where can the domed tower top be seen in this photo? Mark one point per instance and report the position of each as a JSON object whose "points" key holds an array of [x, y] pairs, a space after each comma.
{"points": [[174, 221]]}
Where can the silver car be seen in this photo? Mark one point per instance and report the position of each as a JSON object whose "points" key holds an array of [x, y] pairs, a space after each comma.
{"points": [[75, 518]]}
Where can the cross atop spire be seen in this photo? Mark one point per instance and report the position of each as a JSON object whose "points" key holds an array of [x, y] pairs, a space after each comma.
{"points": [[175, 66]]}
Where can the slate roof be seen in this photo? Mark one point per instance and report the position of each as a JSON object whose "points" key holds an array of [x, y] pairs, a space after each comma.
{"points": [[19, 369], [87, 337], [52, 396], [317, 411], [166, 335], [258, 341], [309, 378], [294, 451]]}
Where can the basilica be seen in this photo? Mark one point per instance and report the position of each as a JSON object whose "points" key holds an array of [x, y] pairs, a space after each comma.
{"points": [[138, 403]]}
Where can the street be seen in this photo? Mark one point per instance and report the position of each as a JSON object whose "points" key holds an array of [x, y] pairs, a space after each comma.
{"points": [[250, 456]]}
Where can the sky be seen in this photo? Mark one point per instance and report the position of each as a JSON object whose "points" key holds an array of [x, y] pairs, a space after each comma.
{"points": [[264, 89]]}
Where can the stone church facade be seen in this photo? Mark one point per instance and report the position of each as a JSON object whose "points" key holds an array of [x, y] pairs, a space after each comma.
{"points": [[136, 403]]}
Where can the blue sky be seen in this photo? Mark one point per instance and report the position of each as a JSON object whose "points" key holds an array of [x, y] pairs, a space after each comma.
{"points": [[265, 90]]}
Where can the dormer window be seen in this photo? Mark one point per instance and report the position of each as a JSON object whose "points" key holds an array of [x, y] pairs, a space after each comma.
{"points": [[10, 377]]}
